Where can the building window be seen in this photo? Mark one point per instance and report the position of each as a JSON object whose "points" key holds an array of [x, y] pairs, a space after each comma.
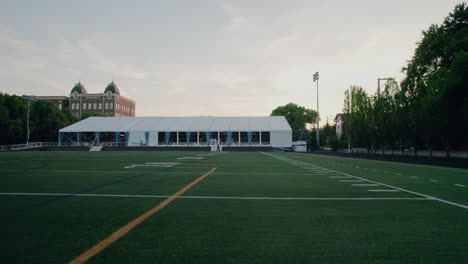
{"points": [[73, 106], [94, 106], [100, 106], [77, 106], [111, 106], [106, 106], [84, 106], [60, 106]]}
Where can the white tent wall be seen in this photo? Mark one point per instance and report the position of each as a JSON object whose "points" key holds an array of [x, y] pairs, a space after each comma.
{"points": [[136, 138], [153, 139], [281, 139]]}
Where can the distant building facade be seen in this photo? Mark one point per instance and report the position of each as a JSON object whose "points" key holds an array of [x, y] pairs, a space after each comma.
{"points": [[79, 102], [340, 125]]}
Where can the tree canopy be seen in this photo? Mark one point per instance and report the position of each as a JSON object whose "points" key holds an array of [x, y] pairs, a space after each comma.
{"points": [[297, 117], [430, 107], [45, 120]]}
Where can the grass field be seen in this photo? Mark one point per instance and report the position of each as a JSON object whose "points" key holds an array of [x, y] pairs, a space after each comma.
{"points": [[247, 208]]}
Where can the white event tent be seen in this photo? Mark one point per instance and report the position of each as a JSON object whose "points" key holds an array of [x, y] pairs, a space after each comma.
{"points": [[271, 131]]}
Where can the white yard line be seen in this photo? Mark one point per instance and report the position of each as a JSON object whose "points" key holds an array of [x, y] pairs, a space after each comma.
{"points": [[459, 185], [167, 172], [213, 197], [383, 190], [339, 177], [383, 184], [364, 184]]}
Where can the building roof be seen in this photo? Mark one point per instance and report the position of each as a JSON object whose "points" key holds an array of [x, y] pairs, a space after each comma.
{"points": [[113, 88], [192, 124], [79, 88]]}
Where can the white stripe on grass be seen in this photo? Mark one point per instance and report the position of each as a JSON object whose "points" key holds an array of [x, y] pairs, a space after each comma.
{"points": [[364, 184], [215, 197], [164, 172], [383, 184], [459, 185], [350, 181], [383, 190]]}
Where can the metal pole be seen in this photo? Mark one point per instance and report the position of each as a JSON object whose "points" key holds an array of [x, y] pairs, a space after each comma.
{"points": [[349, 117], [27, 123], [318, 117]]}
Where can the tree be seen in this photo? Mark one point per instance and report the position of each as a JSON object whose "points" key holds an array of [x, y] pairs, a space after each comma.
{"points": [[297, 117], [46, 120], [12, 119], [431, 107], [435, 86], [89, 114]]}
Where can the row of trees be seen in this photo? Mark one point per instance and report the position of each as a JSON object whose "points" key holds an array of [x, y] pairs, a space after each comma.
{"points": [[429, 109], [45, 120]]}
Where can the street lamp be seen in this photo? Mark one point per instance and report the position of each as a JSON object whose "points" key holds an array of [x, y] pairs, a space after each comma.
{"points": [[29, 98], [316, 78]]}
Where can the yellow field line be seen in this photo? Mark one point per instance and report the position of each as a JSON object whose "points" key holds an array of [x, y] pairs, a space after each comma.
{"points": [[85, 256]]}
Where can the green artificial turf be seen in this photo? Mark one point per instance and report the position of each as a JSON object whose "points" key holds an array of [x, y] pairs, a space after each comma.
{"points": [[231, 216]]}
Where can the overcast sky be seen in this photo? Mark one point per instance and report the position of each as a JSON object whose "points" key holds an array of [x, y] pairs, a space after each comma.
{"points": [[218, 58]]}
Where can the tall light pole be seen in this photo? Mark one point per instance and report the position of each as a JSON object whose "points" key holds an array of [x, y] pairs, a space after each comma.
{"points": [[317, 134], [378, 83], [29, 98]]}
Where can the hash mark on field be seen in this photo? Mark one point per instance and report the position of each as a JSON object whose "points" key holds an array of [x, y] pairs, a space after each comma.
{"points": [[385, 171], [190, 158], [153, 164], [414, 177], [364, 184], [399, 174], [339, 177], [433, 180], [459, 185], [350, 181], [384, 190]]}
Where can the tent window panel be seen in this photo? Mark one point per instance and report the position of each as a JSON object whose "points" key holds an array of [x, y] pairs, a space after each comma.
{"points": [[244, 138], [266, 138], [161, 138], [235, 137], [255, 137], [202, 137], [223, 138]]}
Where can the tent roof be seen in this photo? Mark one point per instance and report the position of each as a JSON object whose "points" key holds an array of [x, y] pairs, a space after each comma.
{"points": [[163, 124]]}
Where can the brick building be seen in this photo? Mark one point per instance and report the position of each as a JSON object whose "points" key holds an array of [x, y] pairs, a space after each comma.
{"points": [[108, 103]]}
